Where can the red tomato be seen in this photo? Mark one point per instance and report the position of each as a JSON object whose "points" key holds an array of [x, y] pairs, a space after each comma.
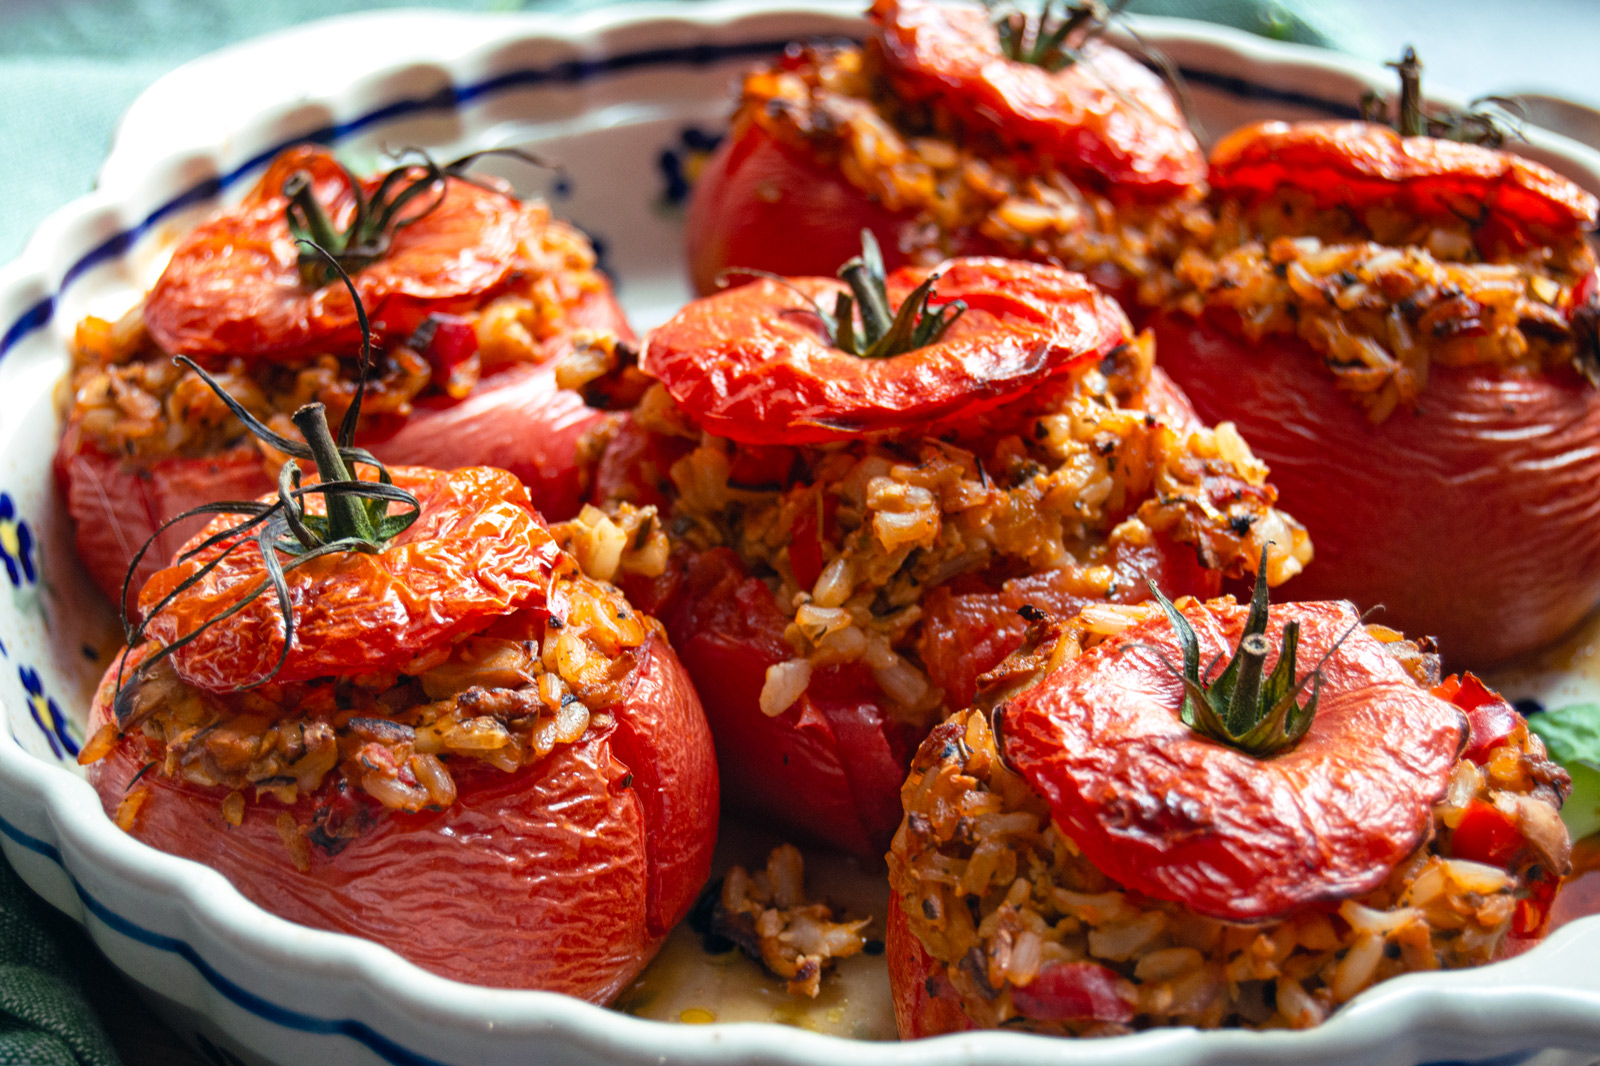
{"points": [[1491, 718], [763, 203], [828, 768], [1486, 834], [476, 552], [1105, 119], [925, 1003], [232, 287], [1480, 496], [1362, 164], [1164, 811], [753, 365], [1074, 991], [565, 876], [514, 418]]}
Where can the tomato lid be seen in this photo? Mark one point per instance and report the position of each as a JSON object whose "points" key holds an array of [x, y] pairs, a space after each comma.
{"points": [[234, 285], [1168, 812], [476, 551], [1363, 164], [756, 364], [1104, 116]]}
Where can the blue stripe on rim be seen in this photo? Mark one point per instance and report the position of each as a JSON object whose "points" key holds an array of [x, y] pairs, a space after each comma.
{"points": [[569, 72], [362, 1034], [380, 1045]]}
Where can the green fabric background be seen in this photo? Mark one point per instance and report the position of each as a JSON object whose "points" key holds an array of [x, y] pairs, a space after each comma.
{"points": [[68, 69]]}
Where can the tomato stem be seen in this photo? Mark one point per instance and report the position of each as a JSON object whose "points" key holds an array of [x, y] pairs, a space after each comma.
{"points": [[1411, 120], [1488, 126], [885, 333], [1239, 708], [374, 220], [347, 515], [1042, 41]]}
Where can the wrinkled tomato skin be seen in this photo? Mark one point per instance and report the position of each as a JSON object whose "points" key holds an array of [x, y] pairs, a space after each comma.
{"points": [[1357, 165], [516, 419], [760, 204], [564, 876], [116, 505], [232, 286], [1105, 119], [755, 366], [1165, 811], [917, 981], [830, 767], [475, 552], [1481, 497]]}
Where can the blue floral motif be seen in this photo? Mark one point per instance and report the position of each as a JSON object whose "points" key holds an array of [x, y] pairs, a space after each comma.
{"points": [[680, 164], [16, 544], [47, 714]]}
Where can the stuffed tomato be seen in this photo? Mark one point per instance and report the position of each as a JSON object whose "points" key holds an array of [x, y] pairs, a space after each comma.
{"points": [[471, 294], [1404, 330], [393, 707], [949, 132], [1152, 835], [838, 519]]}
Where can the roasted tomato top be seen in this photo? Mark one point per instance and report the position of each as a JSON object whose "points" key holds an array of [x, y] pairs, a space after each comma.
{"points": [[476, 552], [1103, 117], [755, 365], [1363, 164], [1166, 812], [233, 286]]}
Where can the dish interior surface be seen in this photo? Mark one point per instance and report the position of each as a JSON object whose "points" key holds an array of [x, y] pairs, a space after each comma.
{"points": [[625, 133]]}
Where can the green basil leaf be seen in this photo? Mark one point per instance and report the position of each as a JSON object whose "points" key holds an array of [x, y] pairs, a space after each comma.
{"points": [[1572, 734]]}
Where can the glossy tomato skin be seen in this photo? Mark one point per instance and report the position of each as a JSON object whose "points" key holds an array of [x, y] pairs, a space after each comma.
{"points": [[233, 288], [1167, 812], [1468, 518], [564, 876], [516, 418], [755, 365], [830, 767], [760, 204]]}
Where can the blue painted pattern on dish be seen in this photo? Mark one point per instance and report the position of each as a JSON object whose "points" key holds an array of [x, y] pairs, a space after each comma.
{"points": [[680, 163], [16, 545], [47, 714]]}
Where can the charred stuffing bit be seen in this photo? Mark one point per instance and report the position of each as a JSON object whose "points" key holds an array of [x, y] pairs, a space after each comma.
{"points": [[768, 916]]}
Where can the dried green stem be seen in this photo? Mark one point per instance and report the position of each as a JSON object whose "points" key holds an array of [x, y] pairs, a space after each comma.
{"points": [[347, 515], [1240, 708]]}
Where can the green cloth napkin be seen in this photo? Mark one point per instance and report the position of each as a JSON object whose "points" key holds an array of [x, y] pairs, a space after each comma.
{"points": [[44, 1020], [68, 69]]}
